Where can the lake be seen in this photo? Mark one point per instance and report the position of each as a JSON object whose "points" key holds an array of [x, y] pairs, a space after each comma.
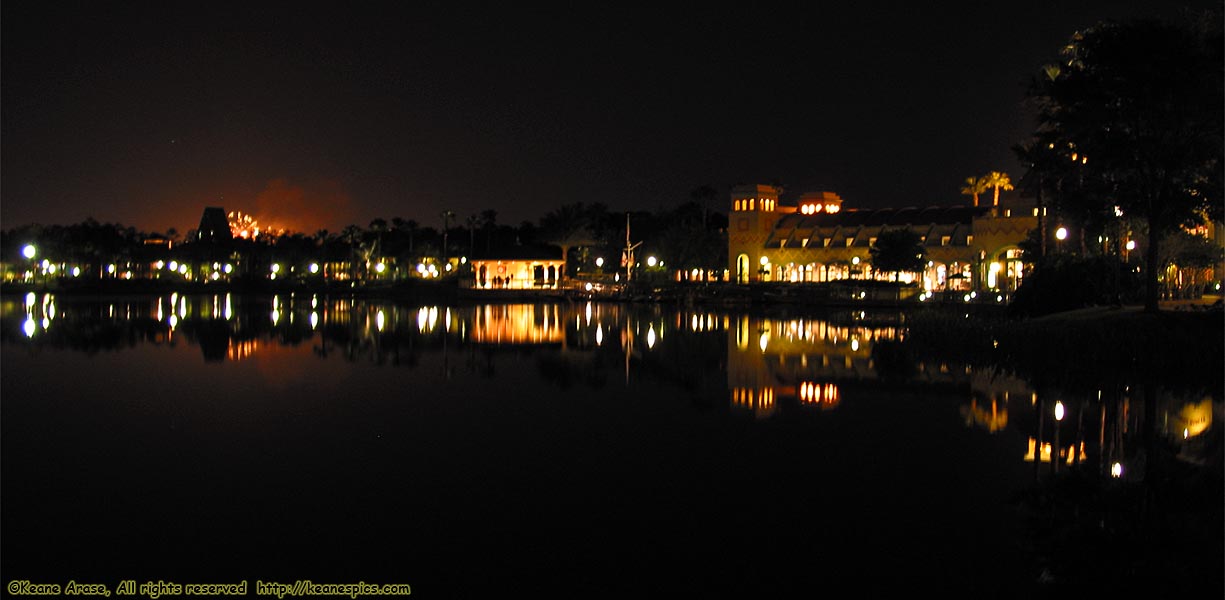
{"points": [[578, 449]]}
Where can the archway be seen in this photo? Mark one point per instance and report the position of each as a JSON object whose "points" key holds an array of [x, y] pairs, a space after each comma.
{"points": [[742, 269]]}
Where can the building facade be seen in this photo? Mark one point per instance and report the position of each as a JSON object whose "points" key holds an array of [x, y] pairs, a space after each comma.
{"points": [[819, 239]]}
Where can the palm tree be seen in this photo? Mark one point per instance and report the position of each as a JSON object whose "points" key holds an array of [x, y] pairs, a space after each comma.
{"points": [[998, 181], [489, 223], [446, 215], [973, 187], [570, 226], [472, 221]]}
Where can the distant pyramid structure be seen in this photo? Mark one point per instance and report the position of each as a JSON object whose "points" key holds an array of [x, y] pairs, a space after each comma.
{"points": [[214, 226]]}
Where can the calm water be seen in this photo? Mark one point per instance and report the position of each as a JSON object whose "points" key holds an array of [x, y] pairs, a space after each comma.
{"points": [[574, 449]]}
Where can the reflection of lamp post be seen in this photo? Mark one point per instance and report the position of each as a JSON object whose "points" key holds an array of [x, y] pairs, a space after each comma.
{"points": [[1055, 447], [1127, 248]]}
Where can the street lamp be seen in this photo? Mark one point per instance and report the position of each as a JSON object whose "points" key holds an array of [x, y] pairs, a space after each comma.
{"points": [[1061, 234], [29, 251]]}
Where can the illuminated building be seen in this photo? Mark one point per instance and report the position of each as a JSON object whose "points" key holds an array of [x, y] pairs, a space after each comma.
{"points": [[525, 269], [819, 239]]}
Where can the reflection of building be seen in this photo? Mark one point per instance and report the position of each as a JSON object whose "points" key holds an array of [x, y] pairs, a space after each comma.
{"points": [[968, 248], [517, 324], [797, 361]]}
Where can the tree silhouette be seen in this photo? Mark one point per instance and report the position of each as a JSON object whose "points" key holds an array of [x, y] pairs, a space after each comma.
{"points": [[1138, 106], [898, 250]]}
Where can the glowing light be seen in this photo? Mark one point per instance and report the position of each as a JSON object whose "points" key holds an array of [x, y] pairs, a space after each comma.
{"points": [[314, 268], [379, 319], [854, 345], [588, 286], [379, 268], [314, 320], [651, 261], [174, 322], [1061, 233], [31, 299], [76, 271], [174, 265], [764, 261], [763, 340], [1116, 470], [183, 269], [651, 336], [599, 261], [275, 268], [110, 269], [30, 327], [599, 336], [29, 251], [229, 268], [1059, 411], [421, 268], [854, 260], [1131, 244]]}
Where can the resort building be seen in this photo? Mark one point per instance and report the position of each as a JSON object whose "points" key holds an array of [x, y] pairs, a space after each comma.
{"points": [[820, 239]]}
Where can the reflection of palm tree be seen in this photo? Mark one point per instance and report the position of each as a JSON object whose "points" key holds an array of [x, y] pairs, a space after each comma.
{"points": [[973, 187], [998, 181]]}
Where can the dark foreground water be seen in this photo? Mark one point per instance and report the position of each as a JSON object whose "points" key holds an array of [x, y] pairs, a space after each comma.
{"points": [[569, 450]]}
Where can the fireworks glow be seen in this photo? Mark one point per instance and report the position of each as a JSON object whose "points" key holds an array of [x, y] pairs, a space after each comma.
{"points": [[246, 227]]}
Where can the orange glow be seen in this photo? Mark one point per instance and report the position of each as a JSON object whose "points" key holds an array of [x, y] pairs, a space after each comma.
{"points": [[517, 324]]}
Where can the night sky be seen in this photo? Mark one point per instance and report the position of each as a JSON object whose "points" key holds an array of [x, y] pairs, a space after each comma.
{"points": [[310, 115]]}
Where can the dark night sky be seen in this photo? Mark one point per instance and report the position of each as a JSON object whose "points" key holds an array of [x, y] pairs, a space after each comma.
{"points": [[316, 116]]}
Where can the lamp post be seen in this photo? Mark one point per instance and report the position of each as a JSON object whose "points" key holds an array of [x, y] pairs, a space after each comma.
{"points": [[29, 251], [446, 215], [1061, 234]]}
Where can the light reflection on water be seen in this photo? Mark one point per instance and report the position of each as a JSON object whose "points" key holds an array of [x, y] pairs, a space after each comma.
{"points": [[544, 407]]}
